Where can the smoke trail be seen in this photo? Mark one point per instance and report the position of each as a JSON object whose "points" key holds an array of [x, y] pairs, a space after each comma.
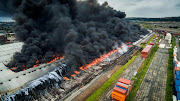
{"points": [[81, 31]]}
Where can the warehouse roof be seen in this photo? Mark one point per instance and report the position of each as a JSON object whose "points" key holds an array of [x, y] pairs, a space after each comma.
{"points": [[7, 51], [10, 80]]}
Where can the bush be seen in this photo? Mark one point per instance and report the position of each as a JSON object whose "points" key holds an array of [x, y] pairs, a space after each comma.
{"points": [[170, 76]]}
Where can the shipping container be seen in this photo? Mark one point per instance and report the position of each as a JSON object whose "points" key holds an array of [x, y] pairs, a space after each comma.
{"points": [[151, 43], [125, 81], [123, 86], [117, 96], [177, 72], [178, 96], [178, 77], [176, 69], [177, 82], [175, 65], [121, 90], [145, 52]]}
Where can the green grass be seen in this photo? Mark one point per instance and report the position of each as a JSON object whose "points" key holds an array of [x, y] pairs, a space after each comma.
{"points": [[141, 73], [96, 95], [170, 76], [150, 39], [143, 45], [158, 39]]}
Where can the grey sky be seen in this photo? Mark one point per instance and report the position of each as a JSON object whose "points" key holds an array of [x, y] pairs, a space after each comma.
{"points": [[146, 8]]}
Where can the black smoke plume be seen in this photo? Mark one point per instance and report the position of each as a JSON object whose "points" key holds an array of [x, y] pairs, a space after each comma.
{"points": [[78, 30], [8, 7]]}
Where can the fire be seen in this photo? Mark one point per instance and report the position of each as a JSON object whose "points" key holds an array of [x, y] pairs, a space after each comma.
{"points": [[98, 60], [66, 78], [77, 72], [37, 62], [101, 58], [55, 58], [73, 75]]}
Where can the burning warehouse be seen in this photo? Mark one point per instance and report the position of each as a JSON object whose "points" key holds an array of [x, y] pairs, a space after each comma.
{"points": [[83, 32]]}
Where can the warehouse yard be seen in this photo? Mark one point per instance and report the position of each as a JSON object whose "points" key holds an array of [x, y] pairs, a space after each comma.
{"points": [[128, 74], [153, 86]]}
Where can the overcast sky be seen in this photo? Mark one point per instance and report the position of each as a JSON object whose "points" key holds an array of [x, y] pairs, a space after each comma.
{"points": [[146, 8]]}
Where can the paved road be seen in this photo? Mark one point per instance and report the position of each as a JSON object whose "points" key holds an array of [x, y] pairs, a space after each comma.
{"points": [[128, 74], [153, 86]]}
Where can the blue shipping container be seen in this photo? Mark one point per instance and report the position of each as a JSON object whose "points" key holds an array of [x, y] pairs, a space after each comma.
{"points": [[175, 65], [178, 77], [177, 82], [174, 62], [177, 72], [177, 88], [121, 87], [178, 95]]}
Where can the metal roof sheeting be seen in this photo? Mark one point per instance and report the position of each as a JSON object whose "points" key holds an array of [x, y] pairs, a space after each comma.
{"points": [[19, 79], [10, 80]]}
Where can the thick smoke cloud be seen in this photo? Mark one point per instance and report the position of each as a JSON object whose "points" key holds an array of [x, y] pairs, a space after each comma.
{"points": [[8, 7], [81, 31]]}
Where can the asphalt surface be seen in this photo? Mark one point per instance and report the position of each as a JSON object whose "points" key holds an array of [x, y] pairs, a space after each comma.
{"points": [[153, 86]]}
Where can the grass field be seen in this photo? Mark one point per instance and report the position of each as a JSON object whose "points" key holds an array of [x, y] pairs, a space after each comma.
{"points": [[96, 95]]}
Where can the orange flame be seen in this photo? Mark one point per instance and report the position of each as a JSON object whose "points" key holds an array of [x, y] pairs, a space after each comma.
{"points": [[73, 75], [55, 58], [66, 78], [101, 58], [37, 61], [98, 60], [76, 72]]}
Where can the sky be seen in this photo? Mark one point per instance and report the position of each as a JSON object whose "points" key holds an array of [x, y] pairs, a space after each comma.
{"points": [[132, 8], [146, 8]]}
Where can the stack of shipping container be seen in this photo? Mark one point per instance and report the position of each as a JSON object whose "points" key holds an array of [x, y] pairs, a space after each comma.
{"points": [[145, 52], [121, 90], [176, 73]]}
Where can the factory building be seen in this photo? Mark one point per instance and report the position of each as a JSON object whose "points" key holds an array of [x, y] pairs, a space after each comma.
{"points": [[10, 80]]}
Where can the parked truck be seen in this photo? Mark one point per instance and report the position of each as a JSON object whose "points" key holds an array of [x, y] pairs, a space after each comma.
{"points": [[121, 90]]}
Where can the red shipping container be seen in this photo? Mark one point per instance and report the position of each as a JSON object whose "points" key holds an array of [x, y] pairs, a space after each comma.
{"points": [[119, 90], [151, 43], [125, 81], [146, 50], [144, 55], [176, 68]]}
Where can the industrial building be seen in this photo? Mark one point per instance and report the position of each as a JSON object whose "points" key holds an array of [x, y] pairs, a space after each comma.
{"points": [[10, 80]]}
